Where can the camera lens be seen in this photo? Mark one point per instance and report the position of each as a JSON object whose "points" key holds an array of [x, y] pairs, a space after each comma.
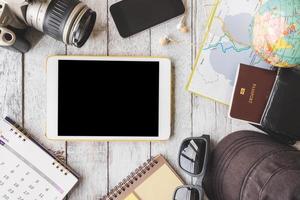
{"points": [[70, 21], [84, 28]]}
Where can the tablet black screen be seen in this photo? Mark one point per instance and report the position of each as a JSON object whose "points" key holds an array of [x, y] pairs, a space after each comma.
{"points": [[108, 98]]}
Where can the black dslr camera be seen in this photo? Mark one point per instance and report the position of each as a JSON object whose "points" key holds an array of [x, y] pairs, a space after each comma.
{"points": [[69, 21]]}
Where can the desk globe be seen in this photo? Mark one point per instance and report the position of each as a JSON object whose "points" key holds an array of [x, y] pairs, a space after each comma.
{"points": [[276, 32]]}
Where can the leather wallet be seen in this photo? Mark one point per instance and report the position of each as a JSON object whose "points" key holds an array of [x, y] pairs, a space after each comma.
{"points": [[281, 115]]}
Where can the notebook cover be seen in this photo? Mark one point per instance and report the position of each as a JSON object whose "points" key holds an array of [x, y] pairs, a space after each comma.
{"points": [[128, 189], [251, 93], [282, 112]]}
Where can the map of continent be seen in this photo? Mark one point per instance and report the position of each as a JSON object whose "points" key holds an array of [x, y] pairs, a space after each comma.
{"points": [[228, 44]]}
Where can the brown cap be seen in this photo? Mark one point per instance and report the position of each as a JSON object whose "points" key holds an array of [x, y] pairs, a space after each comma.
{"points": [[248, 165]]}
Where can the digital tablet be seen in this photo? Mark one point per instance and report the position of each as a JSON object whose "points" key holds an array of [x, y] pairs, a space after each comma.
{"points": [[108, 98]]}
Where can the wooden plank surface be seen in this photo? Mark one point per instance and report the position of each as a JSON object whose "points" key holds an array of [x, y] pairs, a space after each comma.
{"points": [[103, 164], [11, 85]]}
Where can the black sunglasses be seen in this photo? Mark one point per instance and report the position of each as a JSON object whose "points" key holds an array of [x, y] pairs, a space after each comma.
{"points": [[193, 158]]}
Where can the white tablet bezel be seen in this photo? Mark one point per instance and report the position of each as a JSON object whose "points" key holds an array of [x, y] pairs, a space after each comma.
{"points": [[164, 98]]}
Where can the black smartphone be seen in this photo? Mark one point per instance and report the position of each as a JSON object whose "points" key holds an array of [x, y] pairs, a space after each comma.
{"points": [[133, 16]]}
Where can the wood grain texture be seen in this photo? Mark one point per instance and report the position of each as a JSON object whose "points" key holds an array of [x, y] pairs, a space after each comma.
{"points": [[124, 157], [11, 82], [89, 159]]}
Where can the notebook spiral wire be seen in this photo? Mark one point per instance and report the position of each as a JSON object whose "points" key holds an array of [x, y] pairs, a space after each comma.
{"points": [[130, 180]]}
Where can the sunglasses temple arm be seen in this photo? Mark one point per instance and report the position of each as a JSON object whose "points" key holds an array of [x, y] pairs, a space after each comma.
{"points": [[199, 181], [201, 177]]}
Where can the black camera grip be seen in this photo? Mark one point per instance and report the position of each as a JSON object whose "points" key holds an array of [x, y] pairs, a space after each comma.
{"points": [[21, 45]]}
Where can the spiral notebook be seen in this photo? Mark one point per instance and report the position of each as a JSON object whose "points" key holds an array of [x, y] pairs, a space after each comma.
{"points": [[29, 171], [154, 180]]}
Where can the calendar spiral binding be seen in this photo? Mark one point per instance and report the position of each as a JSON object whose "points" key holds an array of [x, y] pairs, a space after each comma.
{"points": [[127, 182], [22, 133]]}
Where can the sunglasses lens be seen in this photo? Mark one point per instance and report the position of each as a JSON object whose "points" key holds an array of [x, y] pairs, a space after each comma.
{"points": [[192, 155], [187, 194]]}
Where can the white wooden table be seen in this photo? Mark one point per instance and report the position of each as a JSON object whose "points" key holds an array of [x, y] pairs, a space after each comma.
{"points": [[103, 164]]}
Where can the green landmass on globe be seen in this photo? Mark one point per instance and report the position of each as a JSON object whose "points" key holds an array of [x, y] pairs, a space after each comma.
{"points": [[276, 32]]}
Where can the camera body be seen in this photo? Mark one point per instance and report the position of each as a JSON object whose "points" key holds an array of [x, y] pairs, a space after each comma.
{"points": [[69, 21]]}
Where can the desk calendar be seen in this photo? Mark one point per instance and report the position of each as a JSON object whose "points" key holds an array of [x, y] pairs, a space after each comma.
{"points": [[28, 171]]}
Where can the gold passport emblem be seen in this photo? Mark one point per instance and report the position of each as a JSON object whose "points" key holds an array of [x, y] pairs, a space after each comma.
{"points": [[243, 90]]}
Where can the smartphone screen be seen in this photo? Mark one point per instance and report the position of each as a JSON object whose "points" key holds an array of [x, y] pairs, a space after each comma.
{"points": [[133, 16]]}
